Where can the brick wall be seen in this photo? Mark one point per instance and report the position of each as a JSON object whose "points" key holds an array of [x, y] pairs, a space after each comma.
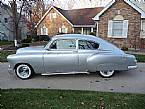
{"points": [[54, 24], [133, 39]]}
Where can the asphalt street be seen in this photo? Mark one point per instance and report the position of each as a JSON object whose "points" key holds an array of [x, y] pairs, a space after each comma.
{"points": [[128, 81]]}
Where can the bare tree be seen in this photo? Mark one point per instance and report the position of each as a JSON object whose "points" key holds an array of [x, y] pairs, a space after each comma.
{"points": [[21, 10]]}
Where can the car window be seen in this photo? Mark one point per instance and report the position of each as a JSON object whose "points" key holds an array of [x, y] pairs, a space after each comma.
{"points": [[88, 45], [63, 44]]}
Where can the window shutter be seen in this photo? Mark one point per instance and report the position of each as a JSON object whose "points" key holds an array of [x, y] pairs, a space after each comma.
{"points": [[59, 30], [110, 26], [66, 30], [125, 29], [46, 31], [41, 32]]}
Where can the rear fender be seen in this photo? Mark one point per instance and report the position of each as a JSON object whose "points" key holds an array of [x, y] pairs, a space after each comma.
{"points": [[105, 62]]}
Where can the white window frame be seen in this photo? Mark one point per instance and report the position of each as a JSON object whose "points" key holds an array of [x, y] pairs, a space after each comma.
{"points": [[63, 29], [124, 29], [53, 16], [42, 30], [142, 35]]}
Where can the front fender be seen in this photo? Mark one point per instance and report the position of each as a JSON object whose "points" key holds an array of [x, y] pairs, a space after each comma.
{"points": [[36, 61]]}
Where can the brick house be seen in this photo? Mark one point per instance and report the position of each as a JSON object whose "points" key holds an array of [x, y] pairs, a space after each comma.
{"points": [[57, 20], [123, 23]]}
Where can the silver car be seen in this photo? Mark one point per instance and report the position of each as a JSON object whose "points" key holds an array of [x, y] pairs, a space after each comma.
{"points": [[71, 54]]}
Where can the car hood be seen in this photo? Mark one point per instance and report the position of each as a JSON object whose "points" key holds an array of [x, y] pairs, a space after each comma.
{"points": [[36, 49]]}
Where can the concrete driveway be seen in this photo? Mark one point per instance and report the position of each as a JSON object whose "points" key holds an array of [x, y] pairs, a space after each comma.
{"points": [[127, 81]]}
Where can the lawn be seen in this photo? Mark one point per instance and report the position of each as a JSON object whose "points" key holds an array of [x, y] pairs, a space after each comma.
{"points": [[140, 58], [66, 99], [6, 42]]}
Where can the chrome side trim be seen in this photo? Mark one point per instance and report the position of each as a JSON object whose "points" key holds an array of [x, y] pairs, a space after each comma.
{"points": [[47, 74]]}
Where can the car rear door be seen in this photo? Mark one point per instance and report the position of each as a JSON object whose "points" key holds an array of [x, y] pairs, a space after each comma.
{"points": [[86, 49]]}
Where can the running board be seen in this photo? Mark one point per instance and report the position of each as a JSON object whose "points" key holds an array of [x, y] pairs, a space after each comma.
{"points": [[47, 74]]}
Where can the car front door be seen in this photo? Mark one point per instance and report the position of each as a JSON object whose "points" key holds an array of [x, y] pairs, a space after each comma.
{"points": [[61, 57]]}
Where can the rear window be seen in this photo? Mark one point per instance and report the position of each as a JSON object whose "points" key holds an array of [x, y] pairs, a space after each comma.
{"points": [[88, 45]]}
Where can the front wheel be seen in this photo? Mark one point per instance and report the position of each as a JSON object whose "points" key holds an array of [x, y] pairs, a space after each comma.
{"points": [[107, 74], [23, 71]]}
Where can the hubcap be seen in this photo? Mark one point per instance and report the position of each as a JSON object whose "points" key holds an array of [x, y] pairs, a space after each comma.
{"points": [[107, 73], [23, 71]]}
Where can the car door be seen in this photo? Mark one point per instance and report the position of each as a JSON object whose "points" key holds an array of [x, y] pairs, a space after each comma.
{"points": [[86, 49], [61, 57]]}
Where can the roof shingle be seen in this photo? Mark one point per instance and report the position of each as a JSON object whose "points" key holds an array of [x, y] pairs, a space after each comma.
{"points": [[80, 16]]}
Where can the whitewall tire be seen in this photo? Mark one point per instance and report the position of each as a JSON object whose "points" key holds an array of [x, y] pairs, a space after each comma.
{"points": [[23, 71], [107, 74]]}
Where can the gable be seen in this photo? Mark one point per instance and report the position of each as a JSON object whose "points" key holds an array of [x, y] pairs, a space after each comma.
{"points": [[76, 16], [48, 12], [135, 7]]}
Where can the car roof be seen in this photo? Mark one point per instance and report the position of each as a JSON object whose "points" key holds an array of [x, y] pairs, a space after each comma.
{"points": [[104, 45], [75, 36]]}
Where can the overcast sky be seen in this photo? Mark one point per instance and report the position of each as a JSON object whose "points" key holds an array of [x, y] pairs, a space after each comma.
{"points": [[74, 3], [65, 4]]}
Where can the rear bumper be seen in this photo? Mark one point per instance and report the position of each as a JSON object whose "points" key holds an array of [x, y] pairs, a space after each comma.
{"points": [[132, 67]]}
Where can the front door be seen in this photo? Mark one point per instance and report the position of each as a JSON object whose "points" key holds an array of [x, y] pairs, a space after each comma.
{"points": [[62, 56]]}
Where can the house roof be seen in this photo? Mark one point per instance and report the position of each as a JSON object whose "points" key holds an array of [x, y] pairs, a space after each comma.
{"points": [[140, 5], [81, 16], [77, 17], [127, 1]]}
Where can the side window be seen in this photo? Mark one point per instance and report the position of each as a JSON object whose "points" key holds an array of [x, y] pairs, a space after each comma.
{"points": [[88, 45], [63, 44]]}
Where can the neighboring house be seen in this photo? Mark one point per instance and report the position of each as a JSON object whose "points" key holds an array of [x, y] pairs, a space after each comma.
{"points": [[122, 22], [56, 21], [6, 24]]}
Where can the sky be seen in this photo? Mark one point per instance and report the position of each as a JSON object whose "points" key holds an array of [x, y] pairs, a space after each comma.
{"points": [[74, 4]]}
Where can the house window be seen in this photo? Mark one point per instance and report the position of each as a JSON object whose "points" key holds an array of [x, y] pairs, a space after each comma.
{"points": [[118, 28], [143, 29], [6, 20], [44, 31], [63, 29], [52, 15]]}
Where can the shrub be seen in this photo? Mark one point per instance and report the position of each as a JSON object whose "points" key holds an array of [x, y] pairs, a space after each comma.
{"points": [[124, 48], [28, 40], [92, 33], [40, 38]]}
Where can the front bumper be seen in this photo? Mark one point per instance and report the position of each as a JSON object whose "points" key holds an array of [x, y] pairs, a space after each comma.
{"points": [[132, 67], [10, 70]]}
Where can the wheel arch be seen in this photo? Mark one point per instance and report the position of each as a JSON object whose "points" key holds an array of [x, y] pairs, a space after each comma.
{"points": [[16, 65]]}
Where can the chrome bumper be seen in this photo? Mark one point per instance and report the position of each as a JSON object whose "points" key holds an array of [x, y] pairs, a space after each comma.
{"points": [[10, 70], [132, 67]]}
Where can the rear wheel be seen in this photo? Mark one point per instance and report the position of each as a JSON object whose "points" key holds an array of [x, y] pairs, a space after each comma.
{"points": [[107, 74], [23, 71]]}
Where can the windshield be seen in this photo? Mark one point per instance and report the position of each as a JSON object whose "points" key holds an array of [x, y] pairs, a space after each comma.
{"points": [[45, 45]]}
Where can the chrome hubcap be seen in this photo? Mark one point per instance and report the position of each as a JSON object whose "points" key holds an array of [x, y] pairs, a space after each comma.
{"points": [[107, 73], [23, 71]]}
